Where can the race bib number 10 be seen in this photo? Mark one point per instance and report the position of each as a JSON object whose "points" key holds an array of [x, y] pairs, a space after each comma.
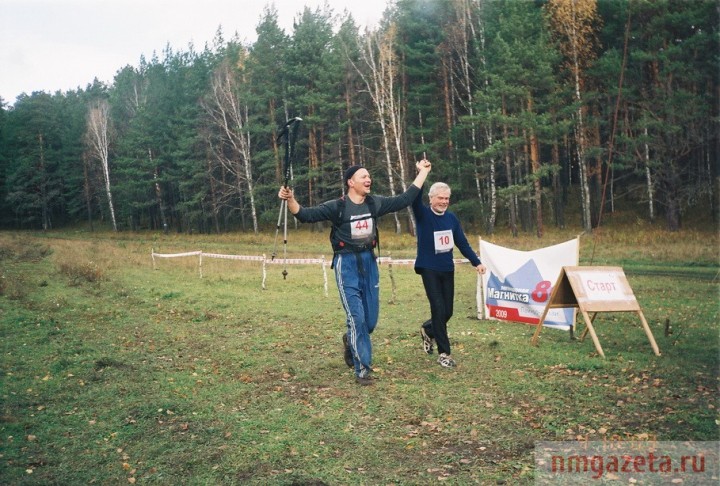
{"points": [[444, 241]]}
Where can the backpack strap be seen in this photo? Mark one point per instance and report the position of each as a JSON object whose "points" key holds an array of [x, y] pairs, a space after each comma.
{"points": [[374, 214], [335, 224]]}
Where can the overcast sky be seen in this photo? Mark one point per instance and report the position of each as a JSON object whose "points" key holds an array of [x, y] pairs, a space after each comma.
{"points": [[50, 45]]}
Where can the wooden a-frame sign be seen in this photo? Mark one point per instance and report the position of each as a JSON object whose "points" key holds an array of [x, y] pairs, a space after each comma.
{"points": [[594, 289]]}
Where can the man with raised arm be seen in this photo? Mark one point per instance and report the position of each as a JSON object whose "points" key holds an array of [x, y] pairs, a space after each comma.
{"points": [[438, 232], [354, 237]]}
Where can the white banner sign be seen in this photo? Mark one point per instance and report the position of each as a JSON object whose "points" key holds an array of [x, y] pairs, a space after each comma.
{"points": [[517, 284]]}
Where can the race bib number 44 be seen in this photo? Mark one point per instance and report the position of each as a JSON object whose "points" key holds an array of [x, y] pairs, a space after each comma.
{"points": [[361, 228], [444, 241]]}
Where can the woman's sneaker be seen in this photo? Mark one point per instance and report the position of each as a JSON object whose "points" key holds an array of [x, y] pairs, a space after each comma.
{"points": [[427, 341], [446, 361]]}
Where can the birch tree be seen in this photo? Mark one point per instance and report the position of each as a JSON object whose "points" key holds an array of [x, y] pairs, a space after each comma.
{"points": [[676, 100], [574, 23], [379, 74], [464, 38], [233, 148], [98, 141], [648, 177]]}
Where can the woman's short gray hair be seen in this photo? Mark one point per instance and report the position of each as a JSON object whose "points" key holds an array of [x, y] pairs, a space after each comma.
{"points": [[439, 187]]}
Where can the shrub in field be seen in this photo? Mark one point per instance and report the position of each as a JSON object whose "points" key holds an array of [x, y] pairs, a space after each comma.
{"points": [[21, 250], [14, 287], [15, 251], [81, 272]]}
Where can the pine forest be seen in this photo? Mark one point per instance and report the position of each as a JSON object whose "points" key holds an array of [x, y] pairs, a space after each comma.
{"points": [[536, 113]]}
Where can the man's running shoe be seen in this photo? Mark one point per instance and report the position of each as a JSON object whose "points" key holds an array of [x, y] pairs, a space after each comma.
{"points": [[427, 341], [365, 380], [347, 352], [446, 361]]}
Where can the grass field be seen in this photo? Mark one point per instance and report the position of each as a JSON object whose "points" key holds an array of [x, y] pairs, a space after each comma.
{"points": [[115, 373]]}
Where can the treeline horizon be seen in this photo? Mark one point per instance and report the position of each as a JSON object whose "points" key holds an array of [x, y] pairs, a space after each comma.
{"points": [[533, 112]]}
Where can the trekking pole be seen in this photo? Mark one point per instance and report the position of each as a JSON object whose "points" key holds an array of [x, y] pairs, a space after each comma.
{"points": [[290, 137], [285, 272], [283, 204], [422, 135]]}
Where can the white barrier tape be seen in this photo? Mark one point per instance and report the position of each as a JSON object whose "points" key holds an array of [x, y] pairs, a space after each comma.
{"points": [[412, 261], [284, 261], [295, 261], [173, 255], [395, 261], [289, 261], [249, 258]]}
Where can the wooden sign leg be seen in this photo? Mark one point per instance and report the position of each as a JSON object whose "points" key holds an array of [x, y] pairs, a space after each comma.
{"points": [[540, 325], [553, 297], [592, 319], [655, 348], [591, 330]]}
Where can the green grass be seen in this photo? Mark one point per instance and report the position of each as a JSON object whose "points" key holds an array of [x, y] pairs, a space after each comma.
{"points": [[113, 372]]}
